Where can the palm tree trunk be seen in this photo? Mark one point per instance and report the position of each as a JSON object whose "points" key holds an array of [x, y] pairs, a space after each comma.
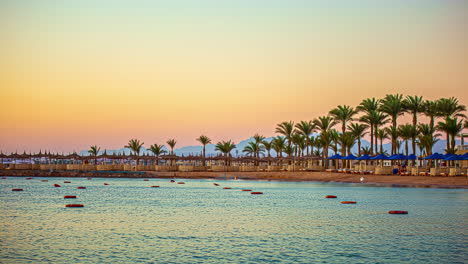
{"points": [[372, 139], [406, 147], [448, 141], [204, 156], [413, 145], [359, 146]]}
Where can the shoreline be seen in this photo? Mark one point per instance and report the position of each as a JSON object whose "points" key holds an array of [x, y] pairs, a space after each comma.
{"points": [[458, 182]]}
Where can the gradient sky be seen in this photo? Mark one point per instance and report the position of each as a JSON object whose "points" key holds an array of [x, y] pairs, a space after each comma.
{"points": [[79, 73]]}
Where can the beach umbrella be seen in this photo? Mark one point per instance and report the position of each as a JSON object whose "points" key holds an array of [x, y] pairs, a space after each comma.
{"points": [[454, 157], [397, 157], [349, 157], [435, 156], [380, 157], [364, 157], [411, 157], [336, 156]]}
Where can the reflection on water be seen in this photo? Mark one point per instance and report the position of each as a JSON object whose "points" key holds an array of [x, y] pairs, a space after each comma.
{"points": [[128, 221]]}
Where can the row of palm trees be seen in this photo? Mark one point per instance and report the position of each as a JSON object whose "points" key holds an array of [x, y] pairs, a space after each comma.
{"points": [[377, 118]]}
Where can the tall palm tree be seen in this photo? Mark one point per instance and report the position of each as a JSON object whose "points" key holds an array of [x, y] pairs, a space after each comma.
{"points": [[325, 140], [335, 137], [135, 146], [452, 127], [171, 142], [225, 147], [408, 132], [343, 114], [279, 144], [359, 131], [157, 150], [94, 151], [414, 105], [258, 139], [286, 129], [267, 145], [370, 108], [347, 141], [381, 135], [427, 138], [393, 133], [431, 110], [306, 128], [394, 106], [297, 139], [450, 107], [204, 140]]}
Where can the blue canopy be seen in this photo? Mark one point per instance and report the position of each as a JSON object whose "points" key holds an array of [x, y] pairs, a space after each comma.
{"points": [[397, 157], [350, 157], [435, 156], [336, 156], [411, 157], [455, 157], [364, 157], [380, 157]]}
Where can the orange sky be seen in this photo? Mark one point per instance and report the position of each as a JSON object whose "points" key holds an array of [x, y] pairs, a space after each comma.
{"points": [[75, 74]]}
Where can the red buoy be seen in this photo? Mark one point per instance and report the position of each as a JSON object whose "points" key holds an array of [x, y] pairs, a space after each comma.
{"points": [[398, 212], [181, 183], [106, 184], [348, 202], [67, 182], [28, 178], [74, 205], [155, 186], [256, 193], [330, 196], [145, 180], [89, 178], [227, 188], [44, 180], [17, 190], [4, 178], [81, 187], [69, 197], [246, 190], [172, 181], [56, 185], [215, 184]]}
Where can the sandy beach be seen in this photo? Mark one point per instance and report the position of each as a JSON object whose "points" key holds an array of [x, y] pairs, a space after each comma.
{"points": [[377, 180]]}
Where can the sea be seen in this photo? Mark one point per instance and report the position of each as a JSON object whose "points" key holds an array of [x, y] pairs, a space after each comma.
{"points": [[125, 220]]}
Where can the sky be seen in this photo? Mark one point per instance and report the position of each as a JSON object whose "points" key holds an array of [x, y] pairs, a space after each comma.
{"points": [[100, 72]]}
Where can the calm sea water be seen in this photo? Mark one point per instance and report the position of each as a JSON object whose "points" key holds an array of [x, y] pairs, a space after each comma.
{"points": [[128, 221]]}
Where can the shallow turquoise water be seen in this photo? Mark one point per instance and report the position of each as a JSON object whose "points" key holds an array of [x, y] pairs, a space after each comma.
{"points": [[128, 222]]}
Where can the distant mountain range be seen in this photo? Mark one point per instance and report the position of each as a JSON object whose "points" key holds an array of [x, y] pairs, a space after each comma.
{"points": [[210, 149]]}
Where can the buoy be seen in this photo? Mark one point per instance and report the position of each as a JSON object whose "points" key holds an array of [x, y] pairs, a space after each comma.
{"points": [[56, 185], [81, 187], [181, 183], [155, 186], [256, 193], [4, 178], [227, 188], [215, 184], [89, 178], [74, 205], [172, 181], [69, 197], [106, 184], [348, 202], [28, 178], [17, 190], [330, 196], [398, 212], [146, 180], [246, 190], [44, 180], [67, 182]]}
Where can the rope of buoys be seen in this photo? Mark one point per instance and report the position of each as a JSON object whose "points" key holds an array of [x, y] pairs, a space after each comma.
{"points": [[155, 186], [256, 193], [246, 190], [330, 196], [81, 187], [69, 197], [74, 205], [348, 202], [181, 183], [57, 185], [106, 184], [227, 188], [16, 190], [397, 212], [67, 182]]}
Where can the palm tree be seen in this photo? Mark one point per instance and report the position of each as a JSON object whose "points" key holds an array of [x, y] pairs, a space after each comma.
{"points": [[258, 139], [279, 144], [381, 134], [94, 151], [297, 139], [325, 140], [408, 132], [342, 114], [286, 129], [370, 108], [225, 147], [393, 105], [157, 150], [306, 128], [452, 127], [267, 146], [431, 110], [335, 137], [359, 131], [414, 105], [366, 151], [426, 137], [347, 141], [393, 133], [204, 140], [449, 107], [135, 146]]}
